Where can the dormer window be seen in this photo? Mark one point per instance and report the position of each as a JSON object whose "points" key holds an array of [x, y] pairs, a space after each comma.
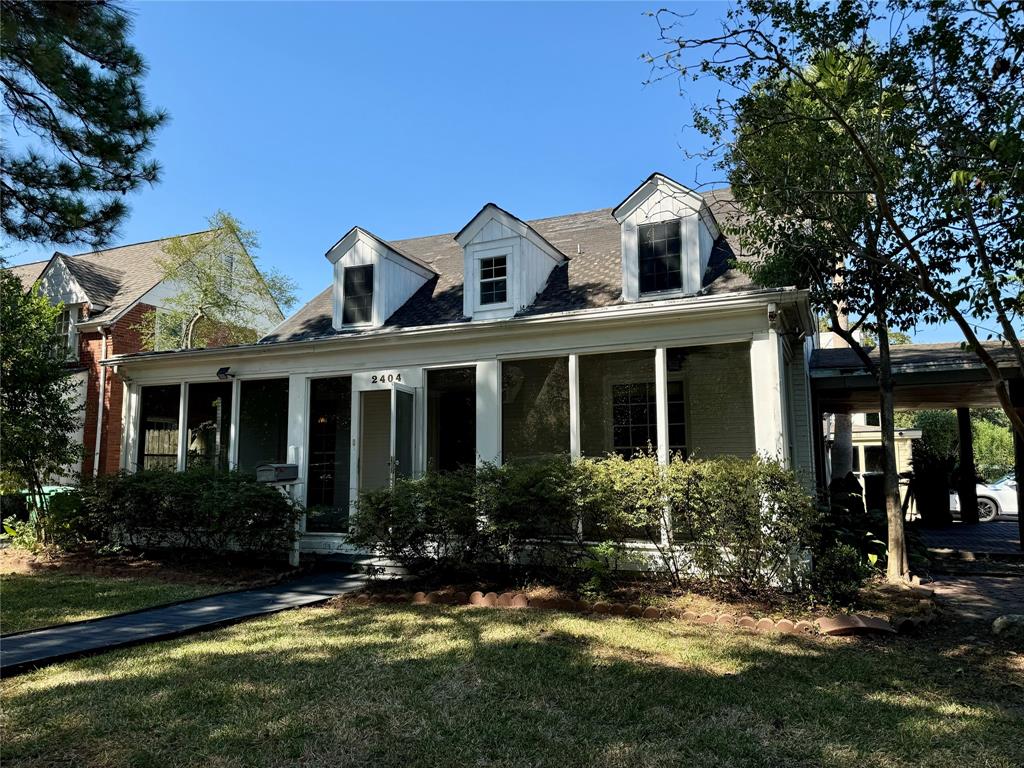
{"points": [[659, 250], [365, 265], [506, 264], [493, 280], [667, 236], [358, 295]]}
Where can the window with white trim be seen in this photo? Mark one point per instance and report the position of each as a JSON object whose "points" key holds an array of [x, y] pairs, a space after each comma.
{"points": [[660, 256], [67, 337], [357, 295], [493, 280]]}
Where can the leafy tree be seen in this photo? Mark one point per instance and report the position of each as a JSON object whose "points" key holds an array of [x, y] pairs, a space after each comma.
{"points": [[896, 339], [39, 412], [942, 160], [223, 297], [992, 438], [72, 81], [837, 149]]}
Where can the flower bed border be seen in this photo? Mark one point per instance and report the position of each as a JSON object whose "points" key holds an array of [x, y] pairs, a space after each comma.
{"points": [[844, 624]]}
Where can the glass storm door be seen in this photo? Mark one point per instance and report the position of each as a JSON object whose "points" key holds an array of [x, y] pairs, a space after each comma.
{"points": [[403, 430]]}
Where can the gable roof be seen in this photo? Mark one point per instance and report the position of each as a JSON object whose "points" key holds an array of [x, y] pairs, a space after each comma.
{"points": [[342, 247], [592, 278], [28, 273], [493, 211], [113, 278]]}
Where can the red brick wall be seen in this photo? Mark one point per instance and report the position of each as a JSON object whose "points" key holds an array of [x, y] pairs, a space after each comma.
{"points": [[121, 339]]}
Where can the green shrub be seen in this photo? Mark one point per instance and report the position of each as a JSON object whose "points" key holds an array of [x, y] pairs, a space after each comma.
{"points": [[21, 534], [745, 521], [427, 524], [839, 573], [199, 509], [742, 522]]}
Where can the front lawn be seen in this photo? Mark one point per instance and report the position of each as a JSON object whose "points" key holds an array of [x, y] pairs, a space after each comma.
{"points": [[427, 686], [42, 598]]}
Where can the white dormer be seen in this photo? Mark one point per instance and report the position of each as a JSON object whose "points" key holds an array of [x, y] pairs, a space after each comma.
{"points": [[372, 279], [506, 264], [668, 232]]}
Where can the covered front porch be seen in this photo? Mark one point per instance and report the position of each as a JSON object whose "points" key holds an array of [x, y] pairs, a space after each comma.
{"points": [[350, 419]]}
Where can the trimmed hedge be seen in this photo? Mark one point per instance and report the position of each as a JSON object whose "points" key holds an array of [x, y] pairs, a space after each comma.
{"points": [[740, 522], [198, 509]]}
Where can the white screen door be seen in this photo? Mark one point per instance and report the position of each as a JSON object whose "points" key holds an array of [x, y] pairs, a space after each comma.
{"points": [[403, 429]]}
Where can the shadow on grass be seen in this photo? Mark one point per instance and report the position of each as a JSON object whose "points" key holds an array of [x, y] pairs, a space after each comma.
{"points": [[403, 686]]}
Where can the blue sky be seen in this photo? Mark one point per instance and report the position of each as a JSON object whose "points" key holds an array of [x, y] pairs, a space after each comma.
{"points": [[304, 119]]}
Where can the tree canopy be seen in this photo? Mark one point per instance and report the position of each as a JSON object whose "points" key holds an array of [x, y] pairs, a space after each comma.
{"points": [[39, 412], [80, 132], [222, 296], [892, 126]]}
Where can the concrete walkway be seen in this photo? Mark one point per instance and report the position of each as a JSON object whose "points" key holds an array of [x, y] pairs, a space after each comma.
{"points": [[36, 648]]}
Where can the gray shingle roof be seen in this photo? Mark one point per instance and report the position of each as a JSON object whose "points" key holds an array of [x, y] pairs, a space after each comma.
{"points": [[28, 273], [113, 278], [592, 277]]}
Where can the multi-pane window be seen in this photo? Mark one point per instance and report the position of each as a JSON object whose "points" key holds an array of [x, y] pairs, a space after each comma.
{"points": [[493, 280], [66, 334], [357, 290], [634, 418], [660, 257]]}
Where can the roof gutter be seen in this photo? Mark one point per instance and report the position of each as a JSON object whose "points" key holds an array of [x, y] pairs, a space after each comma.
{"points": [[691, 305]]}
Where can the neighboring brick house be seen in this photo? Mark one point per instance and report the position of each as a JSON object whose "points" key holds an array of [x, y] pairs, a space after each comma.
{"points": [[105, 294]]}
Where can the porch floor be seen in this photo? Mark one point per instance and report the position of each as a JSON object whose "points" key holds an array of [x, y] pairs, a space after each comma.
{"points": [[40, 647]]}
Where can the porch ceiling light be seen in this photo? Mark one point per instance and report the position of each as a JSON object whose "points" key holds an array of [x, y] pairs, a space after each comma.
{"points": [[224, 373]]}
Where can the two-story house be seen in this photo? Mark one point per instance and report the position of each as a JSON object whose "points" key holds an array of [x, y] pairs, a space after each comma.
{"points": [[583, 334], [105, 295]]}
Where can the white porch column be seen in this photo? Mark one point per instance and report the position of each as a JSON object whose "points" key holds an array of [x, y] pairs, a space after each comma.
{"points": [[574, 407], [183, 427], [298, 409], [661, 423], [236, 396], [766, 372], [130, 427], [488, 412], [661, 400]]}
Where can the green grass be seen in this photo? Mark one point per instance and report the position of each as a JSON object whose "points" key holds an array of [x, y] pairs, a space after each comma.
{"points": [[42, 598], [440, 686]]}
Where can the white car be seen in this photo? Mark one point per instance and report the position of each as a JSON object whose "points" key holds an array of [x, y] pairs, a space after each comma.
{"points": [[995, 500]]}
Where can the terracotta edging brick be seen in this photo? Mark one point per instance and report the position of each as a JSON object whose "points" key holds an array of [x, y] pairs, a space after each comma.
{"points": [[834, 625]]}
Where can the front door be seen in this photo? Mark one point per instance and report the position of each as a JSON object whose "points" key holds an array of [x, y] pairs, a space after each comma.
{"points": [[387, 421]]}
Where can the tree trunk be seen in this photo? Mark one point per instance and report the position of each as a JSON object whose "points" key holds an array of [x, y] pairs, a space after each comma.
{"points": [[897, 567], [967, 487]]}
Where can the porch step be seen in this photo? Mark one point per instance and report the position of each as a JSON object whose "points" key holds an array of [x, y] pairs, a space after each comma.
{"points": [[350, 562]]}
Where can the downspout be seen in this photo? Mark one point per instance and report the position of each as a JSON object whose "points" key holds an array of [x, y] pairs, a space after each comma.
{"points": [[99, 405]]}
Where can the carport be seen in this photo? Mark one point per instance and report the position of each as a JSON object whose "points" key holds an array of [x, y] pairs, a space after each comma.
{"points": [[926, 376]]}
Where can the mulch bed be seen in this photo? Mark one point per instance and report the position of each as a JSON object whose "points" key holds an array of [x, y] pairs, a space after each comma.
{"points": [[173, 569]]}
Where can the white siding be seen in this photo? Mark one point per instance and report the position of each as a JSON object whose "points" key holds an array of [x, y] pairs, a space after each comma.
{"points": [[395, 278], [529, 267], [665, 201]]}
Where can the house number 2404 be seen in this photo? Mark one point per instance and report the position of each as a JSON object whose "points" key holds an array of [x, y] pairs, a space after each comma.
{"points": [[385, 378]]}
